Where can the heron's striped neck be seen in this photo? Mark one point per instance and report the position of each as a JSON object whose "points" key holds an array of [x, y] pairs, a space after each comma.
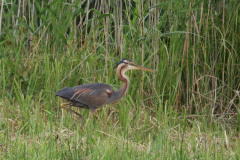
{"points": [[122, 77]]}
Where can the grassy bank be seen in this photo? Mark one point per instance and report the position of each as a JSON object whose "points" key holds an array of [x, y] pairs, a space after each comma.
{"points": [[187, 109]]}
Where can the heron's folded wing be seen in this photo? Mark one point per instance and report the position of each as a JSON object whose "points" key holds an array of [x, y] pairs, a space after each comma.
{"points": [[90, 97]]}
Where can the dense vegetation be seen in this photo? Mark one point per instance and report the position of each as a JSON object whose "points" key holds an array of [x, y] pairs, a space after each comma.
{"points": [[188, 109]]}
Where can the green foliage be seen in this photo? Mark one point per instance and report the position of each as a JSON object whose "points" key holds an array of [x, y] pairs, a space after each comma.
{"points": [[187, 109]]}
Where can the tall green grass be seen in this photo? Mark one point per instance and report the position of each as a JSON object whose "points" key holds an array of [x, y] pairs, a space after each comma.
{"points": [[187, 109]]}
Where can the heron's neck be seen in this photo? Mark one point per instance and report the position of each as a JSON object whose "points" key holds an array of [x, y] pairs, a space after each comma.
{"points": [[122, 77], [124, 87], [121, 91]]}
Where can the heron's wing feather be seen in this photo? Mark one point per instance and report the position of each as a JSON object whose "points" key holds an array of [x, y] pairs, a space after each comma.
{"points": [[88, 95], [91, 98]]}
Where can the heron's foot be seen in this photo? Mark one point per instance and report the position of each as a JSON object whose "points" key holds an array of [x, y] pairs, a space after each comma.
{"points": [[64, 106]]}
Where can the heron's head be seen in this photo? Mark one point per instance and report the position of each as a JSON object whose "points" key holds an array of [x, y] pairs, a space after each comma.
{"points": [[126, 64]]}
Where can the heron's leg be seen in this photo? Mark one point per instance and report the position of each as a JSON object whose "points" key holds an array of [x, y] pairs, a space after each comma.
{"points": [[91, 112], [63, 106]]}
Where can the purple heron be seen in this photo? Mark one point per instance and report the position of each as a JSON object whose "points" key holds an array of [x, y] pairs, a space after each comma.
{"points": [[94, 95]]}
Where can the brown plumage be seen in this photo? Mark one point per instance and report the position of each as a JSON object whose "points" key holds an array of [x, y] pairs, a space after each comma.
{"points": [[94, 95], [88, 96]]}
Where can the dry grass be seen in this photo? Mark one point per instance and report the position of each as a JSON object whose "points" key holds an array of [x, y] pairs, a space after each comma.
{"points": [[187, 109]]}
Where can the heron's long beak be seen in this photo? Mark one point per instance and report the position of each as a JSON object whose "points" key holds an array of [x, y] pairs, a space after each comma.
{"points": [[144, 68]]}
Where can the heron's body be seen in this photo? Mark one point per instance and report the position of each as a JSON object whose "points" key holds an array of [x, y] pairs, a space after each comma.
{"points": [[94, 95], [90, 96]]}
